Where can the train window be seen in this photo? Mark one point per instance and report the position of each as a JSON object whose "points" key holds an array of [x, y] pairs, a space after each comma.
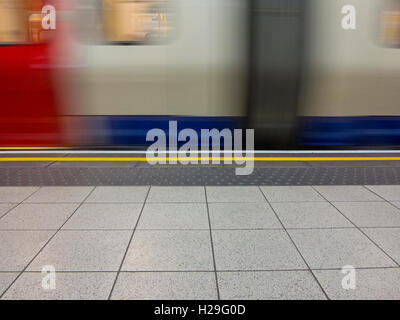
{"points": [[136, 22], [390, 24], [21, 22]]}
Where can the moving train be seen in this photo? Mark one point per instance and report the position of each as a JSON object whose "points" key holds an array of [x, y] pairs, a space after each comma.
{"points": [[111, 70]]}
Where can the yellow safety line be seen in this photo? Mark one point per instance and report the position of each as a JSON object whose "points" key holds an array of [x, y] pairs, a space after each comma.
{"points": [[167, 159]]}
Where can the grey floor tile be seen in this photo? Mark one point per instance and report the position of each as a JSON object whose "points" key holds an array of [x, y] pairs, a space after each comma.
{"points": [[17, 248], [388, 239], [83, 251], [291, 193], [165, 286], [176, 194], [5, 207], [15, 194], [104, 216], [38, 216], [60, 194], [370, 214], [234, 194], [269, 285], [174, 216], [255, 250], [347, 193], [390, 193], [167, 250], [68, 286], [118, 194], [310, 215], [335, 248], [6, 278], [375, 284], [242, 216]]}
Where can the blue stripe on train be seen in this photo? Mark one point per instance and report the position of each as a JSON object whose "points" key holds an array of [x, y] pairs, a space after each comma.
{"points": [[312, 131], [350, 131], [132, 130]]}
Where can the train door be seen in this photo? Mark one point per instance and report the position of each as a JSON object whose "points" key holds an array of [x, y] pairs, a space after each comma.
{"points": [[123, 51], [28, 107], [275, 65]]}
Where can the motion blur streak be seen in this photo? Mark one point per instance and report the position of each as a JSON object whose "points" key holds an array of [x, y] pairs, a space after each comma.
{"points": [[112, 70]]}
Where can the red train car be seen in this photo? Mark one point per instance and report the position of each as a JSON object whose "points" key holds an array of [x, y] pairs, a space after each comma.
{"points": [[28, 103]]}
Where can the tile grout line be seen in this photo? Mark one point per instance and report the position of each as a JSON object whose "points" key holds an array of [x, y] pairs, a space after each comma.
{"points": [[212, 245], [18, 204], [294, 244], [129, 244], [53, 162], [394, 205], [47, 242], [387, 201], [357, 227]]}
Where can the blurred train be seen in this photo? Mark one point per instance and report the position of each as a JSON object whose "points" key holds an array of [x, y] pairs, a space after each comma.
{"points": [[113, 69]]}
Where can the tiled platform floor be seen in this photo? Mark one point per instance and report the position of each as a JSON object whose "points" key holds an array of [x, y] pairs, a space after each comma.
{"points": [[142, 242]]}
